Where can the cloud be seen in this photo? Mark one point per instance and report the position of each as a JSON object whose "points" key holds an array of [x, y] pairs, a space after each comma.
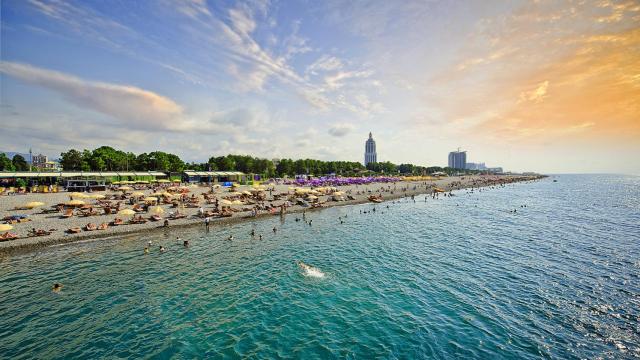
{"points": [[537, 95], [324, 64], [130, 105], [193, 8], [583, 86], [340, 130], [338, 80]]}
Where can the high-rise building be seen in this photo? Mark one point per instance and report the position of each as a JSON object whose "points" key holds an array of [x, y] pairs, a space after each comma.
{"points": [[458, 159], [370, 155]]}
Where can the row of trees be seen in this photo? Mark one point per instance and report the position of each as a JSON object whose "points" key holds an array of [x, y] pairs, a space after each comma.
{"points": [[17, 163], [106, 158]]}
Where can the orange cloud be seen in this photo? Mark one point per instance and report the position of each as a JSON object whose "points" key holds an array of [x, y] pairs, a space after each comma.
{"points": [[593, 92]]}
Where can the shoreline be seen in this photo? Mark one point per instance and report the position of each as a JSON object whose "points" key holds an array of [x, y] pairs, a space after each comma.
{"points": [[29, 244]]}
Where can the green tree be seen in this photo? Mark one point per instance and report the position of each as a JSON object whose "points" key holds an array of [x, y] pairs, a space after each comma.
{"points": [[19, 163], [71, 160], [5, 163]]}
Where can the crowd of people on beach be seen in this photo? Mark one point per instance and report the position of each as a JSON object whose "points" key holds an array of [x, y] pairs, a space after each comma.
{"points": [[141, 204]]}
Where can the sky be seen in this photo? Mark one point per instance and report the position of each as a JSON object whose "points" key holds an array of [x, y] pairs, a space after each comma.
{"points": [[547, 86]]}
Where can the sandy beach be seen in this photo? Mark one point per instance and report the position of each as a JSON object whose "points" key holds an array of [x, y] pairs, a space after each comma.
{"points": [[48, 221]]}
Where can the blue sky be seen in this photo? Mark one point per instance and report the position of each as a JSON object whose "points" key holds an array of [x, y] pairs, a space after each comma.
{"points": [[507, 81]]}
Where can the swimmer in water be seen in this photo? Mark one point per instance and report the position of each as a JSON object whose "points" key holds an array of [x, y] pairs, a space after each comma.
{"points": [[146, 250], [230, 238], [185, 243], [149, 243], [310, 270], [253, 232], [57, 287], [178, 240], [260, 237], [162, 248], [274, 230]]}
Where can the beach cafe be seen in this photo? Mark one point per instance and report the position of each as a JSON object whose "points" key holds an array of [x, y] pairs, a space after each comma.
{"points": [[214, 177], [73, 180]]}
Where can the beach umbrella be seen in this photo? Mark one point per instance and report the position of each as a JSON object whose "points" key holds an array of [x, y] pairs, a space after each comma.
{"points": [[33, 204], [312, 197], [5, 227], [237, 202], [115, 183], [124, 188], [216, 186], [142, 182], [156, 210], [225, 202], [246, 193], [151, 198], [77, 195], [338, 193], [137, 194], [126, 212], [74, 203], [97, 196], [163, 181]]}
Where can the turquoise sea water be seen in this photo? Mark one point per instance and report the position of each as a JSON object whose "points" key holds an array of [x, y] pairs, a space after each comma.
{"points": [[459, 277]]}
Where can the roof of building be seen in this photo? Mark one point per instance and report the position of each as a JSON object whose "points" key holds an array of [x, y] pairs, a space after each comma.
{"points": [[212, 173]]}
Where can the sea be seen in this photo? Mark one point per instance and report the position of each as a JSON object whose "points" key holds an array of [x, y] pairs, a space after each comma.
{"points": [[536, 270]]}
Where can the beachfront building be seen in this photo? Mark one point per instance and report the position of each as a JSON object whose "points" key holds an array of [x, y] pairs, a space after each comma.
{"points": [[370, 154], [476, 166], [213, 177], [38, 181], [458, 159], [41, 163], [38, 160]]}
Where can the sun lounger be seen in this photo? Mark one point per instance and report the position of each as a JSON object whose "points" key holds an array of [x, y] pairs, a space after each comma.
{"points": [[103, 226], [138, 220], [91, 227], [8, 236], [74, 230], [117, 221], [67, 213], [40, 232]]}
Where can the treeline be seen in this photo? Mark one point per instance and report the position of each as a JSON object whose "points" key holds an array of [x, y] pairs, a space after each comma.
{"points": [[17, 163], [408, 169], [106, 158]]}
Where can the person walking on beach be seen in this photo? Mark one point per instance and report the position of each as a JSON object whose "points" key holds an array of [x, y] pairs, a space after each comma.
{"points": [[207, 220]]}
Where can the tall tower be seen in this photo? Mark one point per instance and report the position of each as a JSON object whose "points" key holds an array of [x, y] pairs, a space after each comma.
{"points": [[370, 155]]}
